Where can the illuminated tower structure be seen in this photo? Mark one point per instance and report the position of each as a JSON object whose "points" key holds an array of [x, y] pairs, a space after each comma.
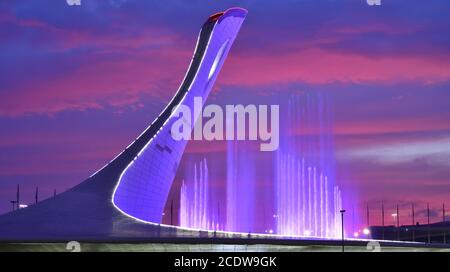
{"points": [[127, 196], [145, 183]]}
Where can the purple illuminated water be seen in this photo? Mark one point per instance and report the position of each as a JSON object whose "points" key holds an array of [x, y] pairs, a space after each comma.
{"points": [[308, 200], [240, 193], [291, 191], [196, 205], [306, 203]]}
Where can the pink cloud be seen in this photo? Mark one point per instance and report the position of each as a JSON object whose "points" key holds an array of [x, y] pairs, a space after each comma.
{"points": [[318, 66], [393, 125], [112, 82]]}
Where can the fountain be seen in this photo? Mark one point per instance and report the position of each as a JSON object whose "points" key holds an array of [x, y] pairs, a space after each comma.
{"points": [[300, 198]]}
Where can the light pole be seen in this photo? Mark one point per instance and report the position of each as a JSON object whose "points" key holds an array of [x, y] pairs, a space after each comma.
{"points": [[398, 224], [413, 226], [17, 196], [342, 227], [382, 218], [171, 212], [13, 202], [36, 195], [394, 219], [443, 220], [368, 215], [428, 221]]}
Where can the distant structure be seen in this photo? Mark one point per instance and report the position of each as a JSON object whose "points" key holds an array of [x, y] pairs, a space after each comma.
{"points": [[438, 232], [125, 198]]}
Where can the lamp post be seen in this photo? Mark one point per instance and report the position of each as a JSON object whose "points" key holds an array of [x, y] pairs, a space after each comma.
{"points": [[13, 202], [18, 195], [428, 221], [398, 224], [382, 218], [368, 215], [171, 212], [413, 224], [398, 218], [394, 217], [342, 227], [443, 221], [36, 196]]}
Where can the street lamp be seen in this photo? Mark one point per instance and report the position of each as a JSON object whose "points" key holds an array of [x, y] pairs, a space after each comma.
{"points": [[396, 223], [394, 217], [342, 227], [366, 231], [13, 202]]}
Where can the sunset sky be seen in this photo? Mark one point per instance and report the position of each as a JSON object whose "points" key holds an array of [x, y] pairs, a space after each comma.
{"points": [[79, 83]]}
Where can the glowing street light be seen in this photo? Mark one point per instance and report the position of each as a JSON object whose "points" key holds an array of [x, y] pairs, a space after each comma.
{"points": [[394, 217], [366, 231]]}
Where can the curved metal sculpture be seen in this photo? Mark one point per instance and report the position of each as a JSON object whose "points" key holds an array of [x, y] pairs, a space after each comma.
{"points": [[125, 198], [144, 184]]}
